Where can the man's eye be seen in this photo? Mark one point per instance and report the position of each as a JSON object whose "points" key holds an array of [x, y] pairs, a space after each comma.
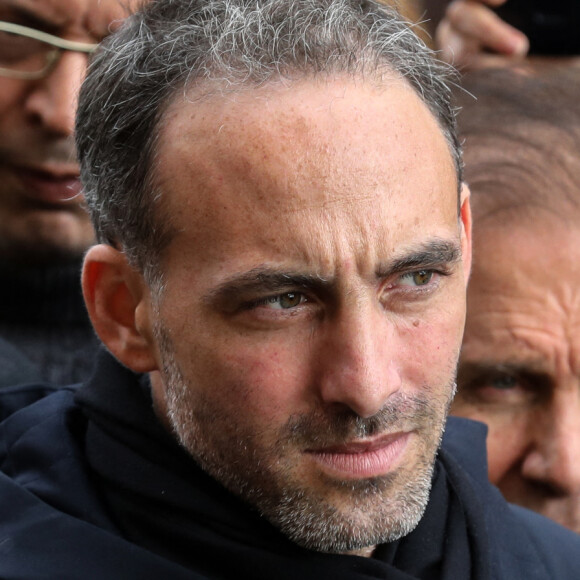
{"points": [[497, 388], [418, 278], [285, 301], [503, 382], [15, 48]]}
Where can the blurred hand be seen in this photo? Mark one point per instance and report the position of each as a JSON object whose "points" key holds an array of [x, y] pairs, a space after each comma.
{"points": [[471, 35]]}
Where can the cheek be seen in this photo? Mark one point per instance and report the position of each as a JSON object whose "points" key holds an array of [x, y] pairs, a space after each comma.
{"points": [[11, 96], [506, 444], [507, 438], [268, 381], [431, 347]]}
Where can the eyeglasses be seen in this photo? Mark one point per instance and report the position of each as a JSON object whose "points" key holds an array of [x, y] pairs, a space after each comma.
{"points": [[29, 54]]}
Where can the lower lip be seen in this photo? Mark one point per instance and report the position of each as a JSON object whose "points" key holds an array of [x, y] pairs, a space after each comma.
{"points": [[358, 465], [48, 189]]}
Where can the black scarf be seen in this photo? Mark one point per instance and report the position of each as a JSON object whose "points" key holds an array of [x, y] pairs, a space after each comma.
{"points": [[161, 500]]}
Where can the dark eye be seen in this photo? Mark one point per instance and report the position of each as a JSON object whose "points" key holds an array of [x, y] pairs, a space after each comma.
{"points": [[503, 382], [15, 48], [496, 387]]}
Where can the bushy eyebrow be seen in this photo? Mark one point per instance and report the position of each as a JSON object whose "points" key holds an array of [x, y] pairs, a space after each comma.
{"points": [[435, 253], [30, 18], [428, 255], [507, 367], [533, 371], [266, 280]]}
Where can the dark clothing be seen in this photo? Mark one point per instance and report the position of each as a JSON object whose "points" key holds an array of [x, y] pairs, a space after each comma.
{"points": [[15, 368], [16, 397], [93, 487], [42, 314]]}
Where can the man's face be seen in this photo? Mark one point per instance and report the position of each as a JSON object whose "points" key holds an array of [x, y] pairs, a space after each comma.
{"points": [[40, 206], [520, 363], [314, 302]]}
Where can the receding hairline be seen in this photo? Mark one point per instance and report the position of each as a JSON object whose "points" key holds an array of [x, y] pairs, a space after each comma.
{"points": [[204, 92], [201, 92], [137, 71]]}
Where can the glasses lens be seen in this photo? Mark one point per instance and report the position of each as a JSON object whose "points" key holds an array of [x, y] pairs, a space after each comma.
{"points": [[23, 55]]}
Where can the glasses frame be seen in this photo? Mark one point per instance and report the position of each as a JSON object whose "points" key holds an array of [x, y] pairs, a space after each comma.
{"points": [[60, 44]]}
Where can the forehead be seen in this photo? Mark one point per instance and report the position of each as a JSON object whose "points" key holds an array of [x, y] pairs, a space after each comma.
{"points": [[344, 160], [522, 168], [523, 300], [525, 277], [528, 244], [66, 17]]}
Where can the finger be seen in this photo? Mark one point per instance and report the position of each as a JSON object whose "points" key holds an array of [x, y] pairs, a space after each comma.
{"points": [[493, 3], [454, 48], [477, 23]]}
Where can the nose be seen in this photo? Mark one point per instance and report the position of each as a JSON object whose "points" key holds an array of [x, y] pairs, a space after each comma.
{"points": [[358, 365], [554, 458], [51, 101]]}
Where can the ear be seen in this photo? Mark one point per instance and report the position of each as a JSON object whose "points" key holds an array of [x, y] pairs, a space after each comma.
{"points": [[119, 304], [465, 219]]}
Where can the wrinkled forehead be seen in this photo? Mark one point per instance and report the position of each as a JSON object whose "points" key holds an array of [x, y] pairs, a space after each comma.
{"points": [[295, 125], [516, 174], [350, 161], [531, 264], [93, 19]]}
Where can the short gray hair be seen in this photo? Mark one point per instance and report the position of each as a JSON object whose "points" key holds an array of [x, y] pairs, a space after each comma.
{"points": [[172, 45]]}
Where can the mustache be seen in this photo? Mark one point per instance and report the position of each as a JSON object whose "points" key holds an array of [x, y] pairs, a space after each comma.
{"points": [[401, 413], [38, 151]]}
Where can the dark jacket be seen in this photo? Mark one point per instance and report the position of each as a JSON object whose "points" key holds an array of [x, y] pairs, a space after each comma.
{"points": [[60, 519]]}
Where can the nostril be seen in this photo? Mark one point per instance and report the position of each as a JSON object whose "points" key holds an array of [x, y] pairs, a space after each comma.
{"points": [[550, 489]]}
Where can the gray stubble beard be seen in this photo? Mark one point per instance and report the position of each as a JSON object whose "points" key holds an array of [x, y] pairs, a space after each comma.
{"points": [[379, 510]]}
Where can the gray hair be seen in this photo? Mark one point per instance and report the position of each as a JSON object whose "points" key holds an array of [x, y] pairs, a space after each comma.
{"points": [[172, 45]]}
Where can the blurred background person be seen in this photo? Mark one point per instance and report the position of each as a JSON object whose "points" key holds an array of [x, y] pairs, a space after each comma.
{"points": [[44, 229], [520, 363]]}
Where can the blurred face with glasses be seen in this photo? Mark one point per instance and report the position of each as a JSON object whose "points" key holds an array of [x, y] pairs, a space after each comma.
{"points": [[44, 50]]}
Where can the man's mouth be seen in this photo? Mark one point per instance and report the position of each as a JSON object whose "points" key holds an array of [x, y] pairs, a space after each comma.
{"points": [[58, 186], [362, 459]]}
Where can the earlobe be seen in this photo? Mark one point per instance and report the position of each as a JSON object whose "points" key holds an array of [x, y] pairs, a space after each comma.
{"points": [[118, 302], [465, 219]]}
